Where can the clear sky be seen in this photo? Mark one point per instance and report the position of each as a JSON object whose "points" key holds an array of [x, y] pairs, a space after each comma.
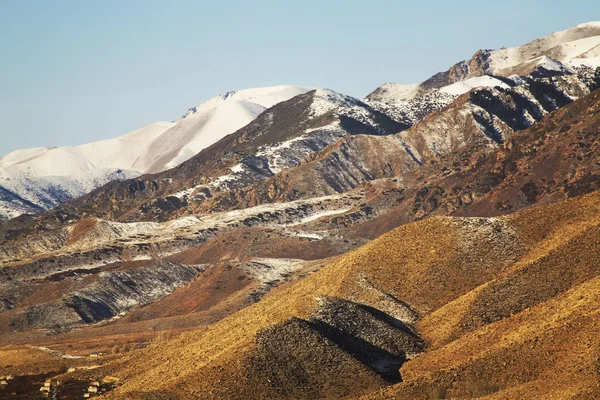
{"points": [[76, 71]]}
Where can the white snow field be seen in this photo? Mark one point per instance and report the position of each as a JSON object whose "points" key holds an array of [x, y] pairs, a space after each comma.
{"points": [[461, 87]]}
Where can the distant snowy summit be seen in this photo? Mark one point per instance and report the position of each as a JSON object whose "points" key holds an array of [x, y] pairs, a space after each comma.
{"points": [[559, 52], [33, 180]]}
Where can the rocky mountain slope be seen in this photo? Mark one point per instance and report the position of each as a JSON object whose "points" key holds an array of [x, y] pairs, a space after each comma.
{"points": [[481, 293], [279, 138], [257, 164], [332, 248], [38, 179], [485, 117], [544, 163]]}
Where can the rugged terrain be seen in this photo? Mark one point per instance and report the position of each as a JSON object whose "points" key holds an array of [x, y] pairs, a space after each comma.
{"points": [[444, 246], [491, 300], [38, 179], [554, 54]]}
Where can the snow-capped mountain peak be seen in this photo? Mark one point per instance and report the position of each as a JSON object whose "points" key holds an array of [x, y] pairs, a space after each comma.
{"points": [[46, 176], [558, 52], [326, 100]]}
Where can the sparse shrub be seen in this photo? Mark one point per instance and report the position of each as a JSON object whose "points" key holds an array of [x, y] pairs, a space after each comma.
{"points": [[437, 392], [481, 387], [162, 337]]}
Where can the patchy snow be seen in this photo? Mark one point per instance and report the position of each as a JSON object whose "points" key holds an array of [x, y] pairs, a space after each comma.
{"points": [[395, 92], [223, 179], [273, 153], [518, 80], [325, 100], [411, 111], [183, 193], [318, 215], [551, 65], [237, 168], [461, 87], [282, 155], [269, 270], [289, 214], [307, 235], [49, 191]]}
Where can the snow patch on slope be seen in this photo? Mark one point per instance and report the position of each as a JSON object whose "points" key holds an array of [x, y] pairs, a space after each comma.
{"points": [[395, 92], [461, 87], [593, 62], [269, 270], [325, 100]]}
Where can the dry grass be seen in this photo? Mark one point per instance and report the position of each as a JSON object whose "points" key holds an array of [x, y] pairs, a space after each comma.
{"points": [[509, 306]]}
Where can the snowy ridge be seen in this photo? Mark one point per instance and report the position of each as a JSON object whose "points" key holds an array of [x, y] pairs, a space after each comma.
{"points": [[413, 110], [462, 87], [48, 176], [329, 117], [562, 46], [209, 122], [558, 52], [326, 100], [396, 91]]}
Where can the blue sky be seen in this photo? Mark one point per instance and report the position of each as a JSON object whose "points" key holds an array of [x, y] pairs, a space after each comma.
{"points": [[77, 71]]}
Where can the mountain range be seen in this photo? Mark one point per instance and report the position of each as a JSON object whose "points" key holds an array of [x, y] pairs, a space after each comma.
{"points": [[435, 240], [38, 179]]}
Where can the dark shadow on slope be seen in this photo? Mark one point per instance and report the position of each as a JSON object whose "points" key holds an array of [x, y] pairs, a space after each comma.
{"points": [[372, 336], [384, 363]]}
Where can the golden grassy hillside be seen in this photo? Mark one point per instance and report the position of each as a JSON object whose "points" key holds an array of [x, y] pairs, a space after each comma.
{"points": [[508, 308]]}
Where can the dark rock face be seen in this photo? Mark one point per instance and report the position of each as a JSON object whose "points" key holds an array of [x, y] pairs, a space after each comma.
{"points": [[118, 291], [90, 295], [372, 336], [489, 116], [478, 65]]}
